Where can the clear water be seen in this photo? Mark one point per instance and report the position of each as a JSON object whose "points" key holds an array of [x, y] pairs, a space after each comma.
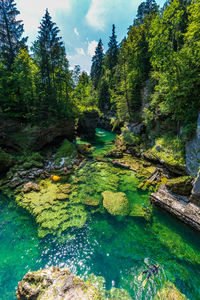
{"points": [[117, 248]]}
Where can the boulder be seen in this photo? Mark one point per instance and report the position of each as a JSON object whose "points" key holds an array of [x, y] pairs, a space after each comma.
{"points": [[169, 292], [31, 186], [116, 203], [55, 283], [180, 185]]}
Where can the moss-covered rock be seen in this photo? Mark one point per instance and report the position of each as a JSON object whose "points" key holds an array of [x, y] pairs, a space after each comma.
{"points": [[169, 292], [180, 185], [91, 201], [6, 161], [169, 152], [52, 209], [84, 148], [67, 149], [116, 203], [54, 283]]}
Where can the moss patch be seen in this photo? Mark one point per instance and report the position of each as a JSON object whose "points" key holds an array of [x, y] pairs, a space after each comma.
{"points": [[180, 185], [116, 203], [169, 292], [52, 209]]}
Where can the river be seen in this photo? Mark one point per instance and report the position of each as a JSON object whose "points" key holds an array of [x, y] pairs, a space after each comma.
{"points": [[117, 248]]}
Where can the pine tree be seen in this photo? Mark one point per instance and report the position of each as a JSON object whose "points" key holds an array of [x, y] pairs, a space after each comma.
{"points": [[112, 50], [96, 68], [49, 53], [11, 31]]}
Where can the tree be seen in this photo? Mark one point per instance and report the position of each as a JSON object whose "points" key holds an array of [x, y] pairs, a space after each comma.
{"points": [[76, 74], [97, 60], [49, 54], [112, 52], [11, 31]]}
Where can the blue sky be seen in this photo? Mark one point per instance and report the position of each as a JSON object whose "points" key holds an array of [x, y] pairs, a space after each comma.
{"points": [[81, 22]]}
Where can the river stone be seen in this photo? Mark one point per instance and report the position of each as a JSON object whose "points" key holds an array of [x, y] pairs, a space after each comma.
{"points": [[31, 186], [169, 292], [116, 203], [55, 283]]}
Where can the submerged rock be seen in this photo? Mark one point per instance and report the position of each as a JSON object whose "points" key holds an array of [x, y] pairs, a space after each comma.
{"points": [[116, 203], [31, 186], [51, 208], [91, 201], [55, 283], [169, 292]]}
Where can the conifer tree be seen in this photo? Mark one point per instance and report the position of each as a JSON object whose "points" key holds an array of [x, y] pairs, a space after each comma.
{"points": [[11, 31], [97, 60], [49, 54], [112, 50]]}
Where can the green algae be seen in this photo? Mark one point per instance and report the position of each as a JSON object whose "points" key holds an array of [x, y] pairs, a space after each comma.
{"points": [[52, 210], [170, 292], [116, 203]]}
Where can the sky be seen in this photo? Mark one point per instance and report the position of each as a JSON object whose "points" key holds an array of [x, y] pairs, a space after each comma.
{"points": [[81, 22]]}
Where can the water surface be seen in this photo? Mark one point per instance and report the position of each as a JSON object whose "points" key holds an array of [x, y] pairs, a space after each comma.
{"points": [[117, 248]]}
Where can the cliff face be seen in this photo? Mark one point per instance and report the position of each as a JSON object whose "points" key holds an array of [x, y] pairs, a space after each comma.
{"points": [[193, 152]]}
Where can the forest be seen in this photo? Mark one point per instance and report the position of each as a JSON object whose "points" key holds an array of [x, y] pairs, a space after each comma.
{"points": [[161, 53]]}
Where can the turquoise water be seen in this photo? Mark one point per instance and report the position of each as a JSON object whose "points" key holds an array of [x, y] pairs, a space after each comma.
{"points": [[117, 248]]}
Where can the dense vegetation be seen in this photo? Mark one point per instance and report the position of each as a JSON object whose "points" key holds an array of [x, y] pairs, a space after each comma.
{"points": [[152, 76]]}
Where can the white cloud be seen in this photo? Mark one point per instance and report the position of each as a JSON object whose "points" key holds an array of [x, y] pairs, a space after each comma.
{"points": [[31, 12], [96, 14], [80, 51], [76, 31], [91, 47]]}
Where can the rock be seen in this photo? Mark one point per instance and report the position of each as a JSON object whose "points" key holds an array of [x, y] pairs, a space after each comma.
{"points": [[137, 128], [195, 195], [120, 164], [55, 283], [91, 201], [41, 136], [115, 153], [84, 148], [193, 152], [166, 160], [169, 292], [116, 203], [180, 185], [87, 124], [15, 182], [6, 161], [178, 206], [31, 186]]}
